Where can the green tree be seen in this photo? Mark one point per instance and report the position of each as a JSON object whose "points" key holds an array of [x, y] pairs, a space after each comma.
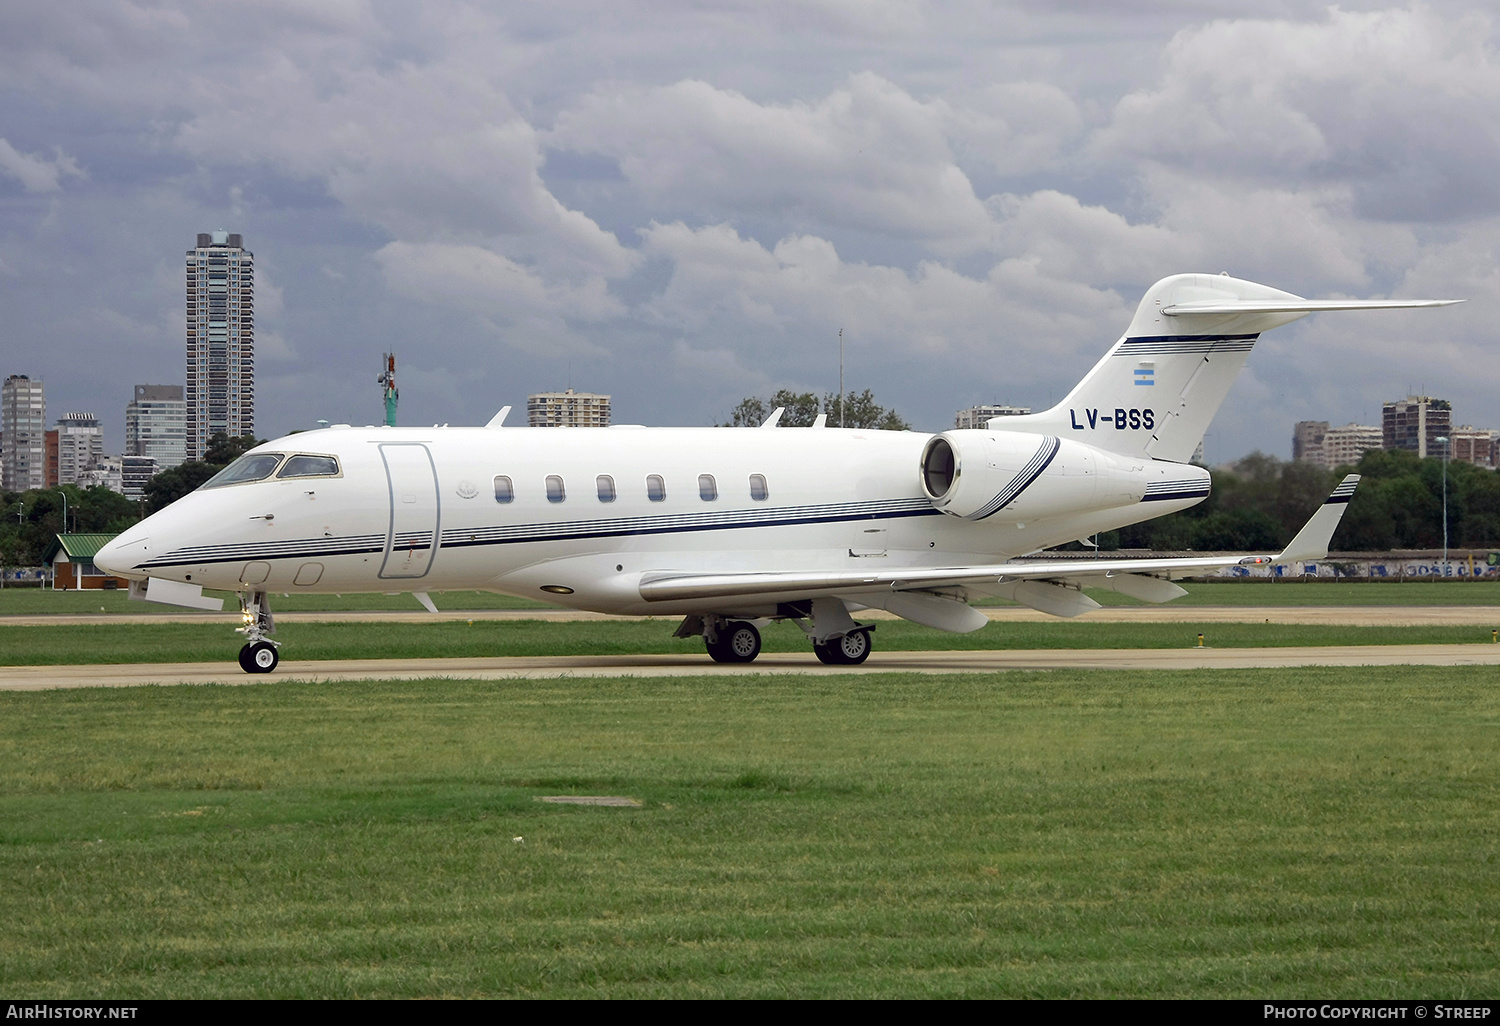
{"points": [[175, 482], [802, 408], [862, 411]]}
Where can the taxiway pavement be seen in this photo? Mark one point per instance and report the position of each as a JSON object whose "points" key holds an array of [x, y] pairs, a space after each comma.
{"points": [[39, 678]]}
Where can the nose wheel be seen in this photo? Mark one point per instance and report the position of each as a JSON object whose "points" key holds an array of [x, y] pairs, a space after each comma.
{"points": [[261, 657], [258, 655]]}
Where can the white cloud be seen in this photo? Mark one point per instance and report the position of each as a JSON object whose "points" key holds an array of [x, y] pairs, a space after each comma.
{"points": [[868, 156], [1401, 105], [37, 174]]}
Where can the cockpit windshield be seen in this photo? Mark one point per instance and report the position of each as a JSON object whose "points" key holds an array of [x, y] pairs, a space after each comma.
{"points": [[303, 465], [253, 467]]}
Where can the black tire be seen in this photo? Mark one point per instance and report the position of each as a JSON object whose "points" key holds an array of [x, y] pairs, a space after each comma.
{"points": [[738, 642], [260, 657], [850, 650]]}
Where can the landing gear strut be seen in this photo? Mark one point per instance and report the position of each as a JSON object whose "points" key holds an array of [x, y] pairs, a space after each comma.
{"points": [[259, 654]]}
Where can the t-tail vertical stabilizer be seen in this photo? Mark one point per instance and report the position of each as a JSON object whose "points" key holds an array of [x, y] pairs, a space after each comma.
{"points": [[1157, 389]]}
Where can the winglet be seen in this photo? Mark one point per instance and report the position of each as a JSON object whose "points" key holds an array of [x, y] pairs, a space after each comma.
{"points": [[774, 418], [498, 420], [1312, 541]]}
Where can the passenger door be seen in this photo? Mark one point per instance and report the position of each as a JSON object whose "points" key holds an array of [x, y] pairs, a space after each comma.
{"points": [[412, 537]]}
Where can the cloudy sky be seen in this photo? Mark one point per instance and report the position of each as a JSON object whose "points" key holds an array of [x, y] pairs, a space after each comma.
{"points": [[682, 202]]}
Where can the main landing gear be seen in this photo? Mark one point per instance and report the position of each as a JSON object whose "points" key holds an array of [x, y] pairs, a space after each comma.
{"points": [[849, 650], [836, 639], [259, 654], [735, 641]]}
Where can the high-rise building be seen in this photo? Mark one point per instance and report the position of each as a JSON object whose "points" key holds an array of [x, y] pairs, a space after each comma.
{"points": [[23, 433], [979, 416], [1307, 441], [80, 446], [1343, 446], [135, 472], [156, 424], [1415, 423], [220, 393], [51, 456], [1479, 446], [567, 409]]}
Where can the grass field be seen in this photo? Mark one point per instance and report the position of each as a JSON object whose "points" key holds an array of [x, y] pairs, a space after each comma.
{"points": [[210, 642], [1296, 833], [34, 601]]}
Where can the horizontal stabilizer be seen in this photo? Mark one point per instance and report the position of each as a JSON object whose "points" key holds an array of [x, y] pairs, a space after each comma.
{"points": [[1299, 306], [1312, 541]]}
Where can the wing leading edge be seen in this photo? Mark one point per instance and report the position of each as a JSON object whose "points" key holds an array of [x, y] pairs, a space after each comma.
{"points": [[1051, 586]]}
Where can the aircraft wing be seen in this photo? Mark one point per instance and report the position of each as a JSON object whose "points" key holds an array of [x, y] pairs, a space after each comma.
{"points": [[1050, 585]]}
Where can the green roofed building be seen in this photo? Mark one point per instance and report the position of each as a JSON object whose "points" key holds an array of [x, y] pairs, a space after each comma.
{"points": [[71, 557]]}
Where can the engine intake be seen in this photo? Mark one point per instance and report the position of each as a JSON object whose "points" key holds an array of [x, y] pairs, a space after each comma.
{"points": [[1020, 476]]}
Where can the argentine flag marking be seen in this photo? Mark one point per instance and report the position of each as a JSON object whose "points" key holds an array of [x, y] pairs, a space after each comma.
{"points": [[1145, 375]]}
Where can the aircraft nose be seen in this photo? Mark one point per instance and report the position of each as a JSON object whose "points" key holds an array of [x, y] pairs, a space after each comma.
{"points": [[121, 555]]}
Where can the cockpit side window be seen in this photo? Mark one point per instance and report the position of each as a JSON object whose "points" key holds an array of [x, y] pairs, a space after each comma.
{"points": [[251, 467], [310, 466]]}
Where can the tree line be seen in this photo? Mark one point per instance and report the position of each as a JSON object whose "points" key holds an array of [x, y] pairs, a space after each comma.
{"points": [[802, 408], [1261, 502]]}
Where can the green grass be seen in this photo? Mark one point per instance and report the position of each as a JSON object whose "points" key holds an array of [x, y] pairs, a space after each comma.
{"points": [[1292, 833], [210, 642]]}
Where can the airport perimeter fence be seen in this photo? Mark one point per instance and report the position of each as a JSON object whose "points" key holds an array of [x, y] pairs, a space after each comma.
{"points": [[1461, 565], [25, 576]]}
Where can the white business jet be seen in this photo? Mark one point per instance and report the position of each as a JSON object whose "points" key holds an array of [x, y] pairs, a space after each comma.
{"points": [[734, 528]]}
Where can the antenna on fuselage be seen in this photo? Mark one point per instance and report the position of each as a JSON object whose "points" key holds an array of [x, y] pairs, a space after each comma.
{"points": [[392, 396]]}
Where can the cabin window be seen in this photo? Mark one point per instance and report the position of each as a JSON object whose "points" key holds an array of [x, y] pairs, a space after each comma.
{"points": [[758, 490], [656, 488], [504, 490], [708, 491], [253, 467], [310, 466], [555, 491], [606, 488]]}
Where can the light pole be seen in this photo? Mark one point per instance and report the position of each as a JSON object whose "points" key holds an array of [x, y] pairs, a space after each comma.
{"points": [[65, 511], [1444, 440]]}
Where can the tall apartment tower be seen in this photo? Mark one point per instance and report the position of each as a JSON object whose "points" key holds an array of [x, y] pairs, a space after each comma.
{"points": [[980, 416], [1415, 423], [1307, 441], [156, 425], [220, 339], [23, 434], [567, 409], [80, 446]]}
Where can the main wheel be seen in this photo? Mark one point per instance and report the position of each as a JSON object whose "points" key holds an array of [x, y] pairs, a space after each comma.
{"points": [[738, 642], [850, 650], [260, 657]]}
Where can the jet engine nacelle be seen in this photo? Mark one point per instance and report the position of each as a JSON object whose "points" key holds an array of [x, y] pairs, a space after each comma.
{"points": [[1010, 476]]}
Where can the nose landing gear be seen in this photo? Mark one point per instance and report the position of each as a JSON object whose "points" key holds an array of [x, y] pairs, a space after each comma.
{"points": [[259, 654]]}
